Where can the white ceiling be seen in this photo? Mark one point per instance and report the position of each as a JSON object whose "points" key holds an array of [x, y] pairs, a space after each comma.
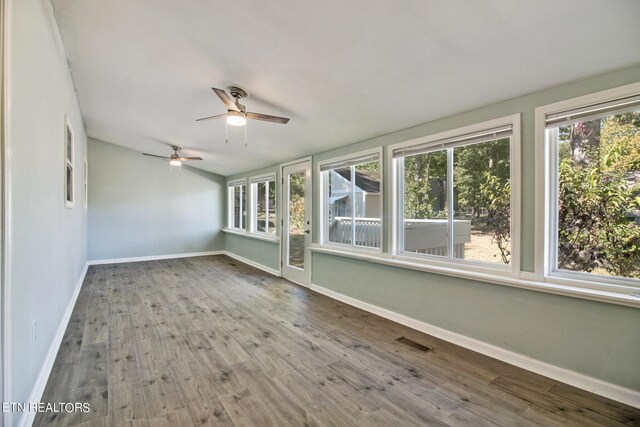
{"points": [[343, 71]]}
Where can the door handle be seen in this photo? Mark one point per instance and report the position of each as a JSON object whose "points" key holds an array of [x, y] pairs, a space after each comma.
{"points": [[307, 231]]}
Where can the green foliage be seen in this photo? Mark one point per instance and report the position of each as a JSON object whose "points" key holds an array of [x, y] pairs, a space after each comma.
{"points": [[594, 229], [471, 165], [425, 178], [296, 203], [497, 193]]}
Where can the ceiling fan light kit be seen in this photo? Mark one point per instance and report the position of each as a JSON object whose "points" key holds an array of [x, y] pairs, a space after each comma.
{"points": [[236, 118]]}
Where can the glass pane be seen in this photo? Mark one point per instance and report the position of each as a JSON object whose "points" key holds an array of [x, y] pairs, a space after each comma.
{"points": [[598, 206], [239, 211], [261, 207], [271, 207], [482, 202], [425, 203], [296, 219], [69, 184], [339, 216], [266, 207], [69, 145], [367, 204]]}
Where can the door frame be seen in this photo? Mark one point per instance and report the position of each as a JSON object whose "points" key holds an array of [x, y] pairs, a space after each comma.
{"points": [[284, 214], [5, 219]]}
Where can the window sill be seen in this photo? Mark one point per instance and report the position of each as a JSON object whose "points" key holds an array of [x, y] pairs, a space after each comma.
{"points": [[265, 237], [344, 248], [572, 290]]}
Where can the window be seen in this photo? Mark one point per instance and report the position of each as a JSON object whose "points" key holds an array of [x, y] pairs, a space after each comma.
{"points": [[454, 196], [263, 204], [68, 164], [237, 205], [86, 184], [593, 189], [352, 201]]}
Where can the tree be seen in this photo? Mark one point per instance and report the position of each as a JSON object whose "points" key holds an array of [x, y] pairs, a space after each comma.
{"points": [[598, 193], [498, 194]]}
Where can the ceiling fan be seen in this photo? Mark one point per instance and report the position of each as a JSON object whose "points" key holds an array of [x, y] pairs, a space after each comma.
{"points": [[175, 159], [237, 113]]}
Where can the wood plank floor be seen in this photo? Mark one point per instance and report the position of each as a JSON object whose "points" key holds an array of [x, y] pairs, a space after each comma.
{"points": [[210, 341]]}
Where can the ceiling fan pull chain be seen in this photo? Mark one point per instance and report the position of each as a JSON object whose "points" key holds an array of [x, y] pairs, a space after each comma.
{"points": [[226, 132], [245, 136]]}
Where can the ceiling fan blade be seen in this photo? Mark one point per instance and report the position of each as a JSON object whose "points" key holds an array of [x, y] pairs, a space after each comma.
{"points": [[190, 158], [226, 99], [153, 155], [211, 117], [267, 118]]}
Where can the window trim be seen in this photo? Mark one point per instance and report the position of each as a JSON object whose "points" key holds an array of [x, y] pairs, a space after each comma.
{"points": [[544, 218], [252, 211], [323, 190], [86, 183], [231, 203], [397, 215], [69, 163]]}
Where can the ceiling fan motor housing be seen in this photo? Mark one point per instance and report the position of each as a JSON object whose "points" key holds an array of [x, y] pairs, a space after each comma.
{"points": [[238, 94]]}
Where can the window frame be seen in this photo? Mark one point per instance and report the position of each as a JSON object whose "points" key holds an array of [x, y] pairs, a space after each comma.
{"points": [[231, 204], [546, 201], [252, 211], [69, 163], [86, 183], [323, 186], [397, 202]]}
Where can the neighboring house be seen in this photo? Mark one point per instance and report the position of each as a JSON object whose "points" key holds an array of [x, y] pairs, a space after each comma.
{"points": [[367, 194]]}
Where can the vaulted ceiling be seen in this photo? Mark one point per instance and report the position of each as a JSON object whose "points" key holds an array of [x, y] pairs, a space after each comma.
{"points": [[343, 71]]}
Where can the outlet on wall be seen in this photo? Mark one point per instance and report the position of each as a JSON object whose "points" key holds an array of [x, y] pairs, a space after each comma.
{"points": [[34, 330]]}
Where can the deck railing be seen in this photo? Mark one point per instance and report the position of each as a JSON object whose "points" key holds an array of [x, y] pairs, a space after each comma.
{"points": [[367, 231], [428, 236]]}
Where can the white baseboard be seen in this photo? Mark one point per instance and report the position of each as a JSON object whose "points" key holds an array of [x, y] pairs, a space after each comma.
{"points": [[584, 382], [38, 388], [153, 257], [262, 267]]}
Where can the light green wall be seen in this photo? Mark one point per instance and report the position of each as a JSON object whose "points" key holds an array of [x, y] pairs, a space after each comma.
{"points": [[597, 339], [138, 208], [600, 340], [260, 251], [48, 242]]}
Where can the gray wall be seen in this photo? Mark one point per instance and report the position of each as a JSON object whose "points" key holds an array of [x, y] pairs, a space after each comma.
{"points": [[48, 242], [138, 208], [600, 340]]}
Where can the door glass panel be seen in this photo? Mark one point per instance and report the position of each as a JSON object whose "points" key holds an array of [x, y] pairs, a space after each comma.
{"points": [[296, 219]]}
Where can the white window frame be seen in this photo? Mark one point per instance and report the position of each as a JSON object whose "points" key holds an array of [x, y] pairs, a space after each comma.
{"points": [[397, 204], [324, 205], [231, 204], [69, 163], [545, 227], [86, 183], [253, 197]]}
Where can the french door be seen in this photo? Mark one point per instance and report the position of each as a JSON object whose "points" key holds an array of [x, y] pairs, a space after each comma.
{"points": [[296, 222]]}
